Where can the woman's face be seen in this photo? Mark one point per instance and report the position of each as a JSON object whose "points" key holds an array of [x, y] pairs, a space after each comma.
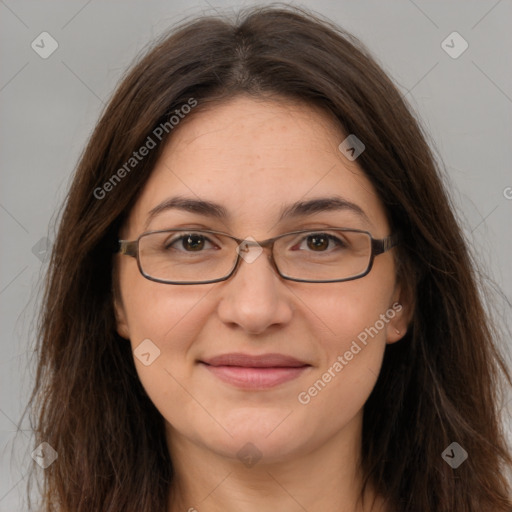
{"points": [[255, 159]]}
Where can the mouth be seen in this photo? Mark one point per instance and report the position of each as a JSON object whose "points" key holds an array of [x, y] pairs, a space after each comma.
{"points": [[255, 372]]}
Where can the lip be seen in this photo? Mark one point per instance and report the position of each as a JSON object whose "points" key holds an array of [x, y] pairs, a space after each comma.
{"points": [[255, 372]]}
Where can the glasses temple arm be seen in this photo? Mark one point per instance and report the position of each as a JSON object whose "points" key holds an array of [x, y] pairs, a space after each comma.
{"points": [[127, 247], [385, 244]]}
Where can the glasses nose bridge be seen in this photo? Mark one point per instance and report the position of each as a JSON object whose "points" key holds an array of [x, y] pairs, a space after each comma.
{"points": [[268, 242], [266, 245]]}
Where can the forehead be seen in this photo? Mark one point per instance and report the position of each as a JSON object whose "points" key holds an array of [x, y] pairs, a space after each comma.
{"points": [[255, 157]]}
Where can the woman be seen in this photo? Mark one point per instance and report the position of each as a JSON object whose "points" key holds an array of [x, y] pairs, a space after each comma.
{"points": [[259, 297]]}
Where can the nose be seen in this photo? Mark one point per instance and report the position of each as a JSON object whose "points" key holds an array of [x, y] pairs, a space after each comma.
{"points": [[255, 298]]}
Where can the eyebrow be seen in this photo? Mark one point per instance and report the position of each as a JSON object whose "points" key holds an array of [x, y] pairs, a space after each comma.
{"points": [[292, 211]]}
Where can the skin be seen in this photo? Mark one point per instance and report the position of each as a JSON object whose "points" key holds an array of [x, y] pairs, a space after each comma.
{"points": [[253, 157]]}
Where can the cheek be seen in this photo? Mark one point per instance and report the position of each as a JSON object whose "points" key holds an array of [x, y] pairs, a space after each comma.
{"points": [[157, 311], [349, 309], [163, 321], [173, 320], [352, 323]]}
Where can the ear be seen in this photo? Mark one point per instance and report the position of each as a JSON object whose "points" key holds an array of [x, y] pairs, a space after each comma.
{"points": [[400, 314], [121, 321], [119, 311]]}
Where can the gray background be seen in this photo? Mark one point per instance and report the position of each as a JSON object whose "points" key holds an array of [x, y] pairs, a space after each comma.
{"points": [[49, 107]]}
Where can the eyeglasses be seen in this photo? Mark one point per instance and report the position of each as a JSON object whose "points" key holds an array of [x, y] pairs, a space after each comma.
{"points": [[189, 256]]}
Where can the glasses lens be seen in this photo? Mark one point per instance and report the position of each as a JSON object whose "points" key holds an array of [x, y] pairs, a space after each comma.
{"points": [[324, 255], [186, 256], [195, 256]]}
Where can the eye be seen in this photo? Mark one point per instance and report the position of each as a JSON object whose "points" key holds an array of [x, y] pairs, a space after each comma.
{"points": [[190, 242], [320, 242]]}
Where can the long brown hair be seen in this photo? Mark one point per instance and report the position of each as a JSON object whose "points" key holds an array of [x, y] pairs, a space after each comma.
{"points": [[440, 384]]}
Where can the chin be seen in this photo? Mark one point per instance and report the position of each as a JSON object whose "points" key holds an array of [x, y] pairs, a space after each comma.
{"points": [[272, 435]]}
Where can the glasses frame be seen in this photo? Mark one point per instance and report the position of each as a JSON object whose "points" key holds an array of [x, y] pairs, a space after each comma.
{"points": [[378, 246]]}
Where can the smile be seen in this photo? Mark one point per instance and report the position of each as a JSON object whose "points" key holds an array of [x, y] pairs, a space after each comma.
{"points": [[255, 372]]}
